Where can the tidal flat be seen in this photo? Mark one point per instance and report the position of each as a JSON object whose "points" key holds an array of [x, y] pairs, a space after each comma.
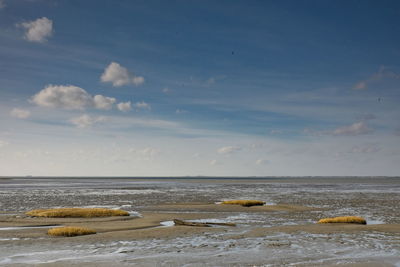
{"points": [[282, 232]]}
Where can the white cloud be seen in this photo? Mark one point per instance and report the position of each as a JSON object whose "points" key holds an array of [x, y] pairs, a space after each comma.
{"points": [[85, 121], [124, 106], [119, 76], [103, 102], [2, 4], [166, 90], [63, 96], [142, 105], [70, 97], [261, 161], [20, 113], [228, 149], [37, 30], [357, 128]]}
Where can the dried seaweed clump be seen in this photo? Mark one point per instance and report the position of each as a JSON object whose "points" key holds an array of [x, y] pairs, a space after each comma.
{"points": [[70, 231], [244, 203], [76, 212], [344, 219]]}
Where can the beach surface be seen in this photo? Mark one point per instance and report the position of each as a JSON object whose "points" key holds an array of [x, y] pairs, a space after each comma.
{"points": [[282, 232]]}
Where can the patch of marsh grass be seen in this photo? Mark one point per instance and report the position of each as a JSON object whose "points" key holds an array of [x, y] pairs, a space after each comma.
{"points": [[70, 231], [76, 212], [244, 203], [344, 219]]}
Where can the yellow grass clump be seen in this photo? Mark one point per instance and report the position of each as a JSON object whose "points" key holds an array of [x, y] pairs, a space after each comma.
{"points": [[344, 219], [244, 203], [76, 212], [70, 231]]}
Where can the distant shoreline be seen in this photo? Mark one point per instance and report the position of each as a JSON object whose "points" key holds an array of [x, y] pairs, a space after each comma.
{"points": [[197, 177], [221, 180]]}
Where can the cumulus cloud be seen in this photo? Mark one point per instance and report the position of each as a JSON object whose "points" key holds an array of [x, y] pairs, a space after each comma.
{"points": [[20, 113], [124, 106], [37, 30], [357, 128], [142, 105], [213, 162], [166, 90], [103, 102], [70, 97], [63, 96], [228, 149], [119, 76], [85, 121]]}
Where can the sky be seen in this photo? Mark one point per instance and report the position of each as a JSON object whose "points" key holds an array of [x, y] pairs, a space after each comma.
{"points": [[199, 88]]}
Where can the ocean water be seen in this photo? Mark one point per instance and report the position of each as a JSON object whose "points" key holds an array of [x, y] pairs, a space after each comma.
{"points": [[375, 198]]}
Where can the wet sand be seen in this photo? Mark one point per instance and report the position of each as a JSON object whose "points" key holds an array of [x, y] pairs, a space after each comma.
{"points": [[147, 226], [278, 234], [328, 228], [211, 207]]}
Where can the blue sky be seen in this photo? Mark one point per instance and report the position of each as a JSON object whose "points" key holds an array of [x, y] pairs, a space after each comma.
{"points": [[241, 88]]}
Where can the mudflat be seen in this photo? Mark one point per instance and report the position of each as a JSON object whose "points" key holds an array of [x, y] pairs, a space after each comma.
{"points": [[282, 232], [148, 225]]}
